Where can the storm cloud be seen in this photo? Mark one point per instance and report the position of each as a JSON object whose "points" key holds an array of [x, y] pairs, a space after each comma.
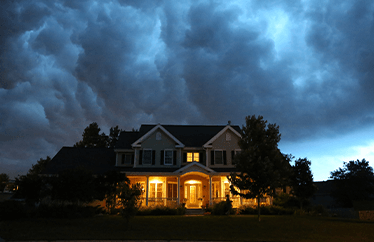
{"points": [[307, 66]]}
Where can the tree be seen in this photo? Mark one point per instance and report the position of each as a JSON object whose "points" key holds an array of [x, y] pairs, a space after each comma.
{"points": [[261, 165], [113, 136], [128, 198], [4, 179], [73, 185], [107, 188], [353, 182], [92, 137], [302, 180], [39, 166]]}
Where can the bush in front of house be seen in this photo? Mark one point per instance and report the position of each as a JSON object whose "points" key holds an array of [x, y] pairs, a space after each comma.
{"points": [[11, 209], [67, 211], [222, 208], [265, 210], [161, 210]]}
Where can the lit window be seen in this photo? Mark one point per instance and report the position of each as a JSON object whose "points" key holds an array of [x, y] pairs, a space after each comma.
{"points": [[172, 190], [168, 157], [147, 157], [193, 157], [155, 190]]}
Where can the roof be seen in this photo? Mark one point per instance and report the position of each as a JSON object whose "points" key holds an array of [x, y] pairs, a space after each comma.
{"points": [[189, 135], [96, 160]]}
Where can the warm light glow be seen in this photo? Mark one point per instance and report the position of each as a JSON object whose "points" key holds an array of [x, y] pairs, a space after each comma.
{"points": [[193, 157], [189, 157], [155, 180], [193, 182]]}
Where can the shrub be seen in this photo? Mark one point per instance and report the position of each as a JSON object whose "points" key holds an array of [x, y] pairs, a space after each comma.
{"points": [[287, 201], [222, 208], [10, 209], [265, 210], [161, 210], [67, 211]]}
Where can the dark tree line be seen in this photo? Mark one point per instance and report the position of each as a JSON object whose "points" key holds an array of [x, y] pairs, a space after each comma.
{"points": [[92, 137]]}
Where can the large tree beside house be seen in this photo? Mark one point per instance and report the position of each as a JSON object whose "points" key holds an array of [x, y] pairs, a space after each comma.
{"points": [[92, 137], [260, 164]]}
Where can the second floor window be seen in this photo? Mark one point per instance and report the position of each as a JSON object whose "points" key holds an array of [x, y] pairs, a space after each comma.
{"points": [[147, 157], [168, 157], [218, 157], [127, 159], [193, 156]]}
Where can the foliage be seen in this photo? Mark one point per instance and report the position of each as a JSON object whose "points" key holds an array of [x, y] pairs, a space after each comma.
{"points": [[222, 208], [39, 166], [73, 185], [161, 210], [302, 181], [353, 182], [4, 179], [261, 165], [30, 188], [107, 188], [10, 209], [128, 198], [266, 210], [91, 137], [286, 201], [67, 211]]}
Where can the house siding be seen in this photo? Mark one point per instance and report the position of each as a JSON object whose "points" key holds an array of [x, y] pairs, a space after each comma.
{"points": [[157, 145], [221, 144]]}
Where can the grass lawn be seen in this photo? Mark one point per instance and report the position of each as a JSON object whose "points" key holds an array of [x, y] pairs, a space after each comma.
{"points": [[234, 228]]}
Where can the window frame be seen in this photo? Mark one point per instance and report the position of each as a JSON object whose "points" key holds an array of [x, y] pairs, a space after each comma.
{"points": [[193, 156], [215, 157], [172, 157], [143, 157], [123, 161]]}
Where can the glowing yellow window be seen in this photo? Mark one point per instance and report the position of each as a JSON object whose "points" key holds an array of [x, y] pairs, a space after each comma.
{"points": [[192, 157]]}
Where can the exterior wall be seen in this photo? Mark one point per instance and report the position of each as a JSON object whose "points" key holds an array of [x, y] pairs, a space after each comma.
{"points": [[157, 145], [221, 144]]}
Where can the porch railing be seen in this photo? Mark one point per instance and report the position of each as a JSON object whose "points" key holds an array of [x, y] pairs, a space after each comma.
{"points": [[161, 201]]}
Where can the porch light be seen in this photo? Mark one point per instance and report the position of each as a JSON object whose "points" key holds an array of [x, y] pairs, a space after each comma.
{"points": [[193, 182]]}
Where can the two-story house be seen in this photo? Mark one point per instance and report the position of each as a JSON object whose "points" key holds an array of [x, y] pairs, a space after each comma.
{"points": [[181, 163], [174, 164]]}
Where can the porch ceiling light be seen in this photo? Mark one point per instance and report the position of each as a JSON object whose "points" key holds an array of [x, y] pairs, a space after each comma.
{"points": [[193, 182]]}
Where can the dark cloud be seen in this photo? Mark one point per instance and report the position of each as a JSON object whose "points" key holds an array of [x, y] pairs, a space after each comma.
{"points": [[308, 66]]}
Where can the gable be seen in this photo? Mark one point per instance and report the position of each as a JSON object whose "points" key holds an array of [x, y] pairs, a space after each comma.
{"points": [[158, 140], [158, 127], [227, 140], [218, 138]]}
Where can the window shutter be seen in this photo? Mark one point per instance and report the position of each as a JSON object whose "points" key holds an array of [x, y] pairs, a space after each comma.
{"points": [[140, 157], [174, 157], [201, 158], [162, 157], [132, 159], [185, 157], [232, 157], [212, 157], [153, 156], [224, 158]]}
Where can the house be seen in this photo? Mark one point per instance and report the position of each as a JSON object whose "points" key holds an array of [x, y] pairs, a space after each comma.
{"points": [[174, 164]]}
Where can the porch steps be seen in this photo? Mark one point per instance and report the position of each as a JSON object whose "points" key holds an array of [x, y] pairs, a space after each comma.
{"points": [[197, 211]]}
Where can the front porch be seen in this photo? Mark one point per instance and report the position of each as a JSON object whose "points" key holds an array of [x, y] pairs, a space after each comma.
{"points": [[193, 189]]}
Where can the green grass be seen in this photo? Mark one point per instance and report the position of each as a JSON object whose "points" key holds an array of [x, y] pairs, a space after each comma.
{"points": [[234, 228]]}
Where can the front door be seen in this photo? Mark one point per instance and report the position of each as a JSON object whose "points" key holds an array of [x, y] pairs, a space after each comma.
{"points": [[193, 192]]}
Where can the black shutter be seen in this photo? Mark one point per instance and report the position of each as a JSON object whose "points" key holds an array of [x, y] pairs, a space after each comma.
{"points": [[174, 157], [185, 157], [153, 156], [212, 157], [132, 159], [140, 157], [162, 157], [201, 157], [232, 157], [224, 158]]}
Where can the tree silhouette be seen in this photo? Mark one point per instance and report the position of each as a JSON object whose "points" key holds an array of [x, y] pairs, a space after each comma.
{"points": [[302, 180], [261, 165], [353, 182]]}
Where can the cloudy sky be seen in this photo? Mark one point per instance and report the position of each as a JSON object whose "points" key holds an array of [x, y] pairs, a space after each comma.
{"points": [[305, 65]]}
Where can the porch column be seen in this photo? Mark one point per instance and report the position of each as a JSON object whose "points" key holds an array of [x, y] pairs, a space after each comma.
{"points": [[178, 190], [210, 190], [146, 196]]}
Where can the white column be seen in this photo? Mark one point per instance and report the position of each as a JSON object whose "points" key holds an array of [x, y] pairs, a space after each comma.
{"points": [[178, 191], [210, 191], [147, 192]]}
